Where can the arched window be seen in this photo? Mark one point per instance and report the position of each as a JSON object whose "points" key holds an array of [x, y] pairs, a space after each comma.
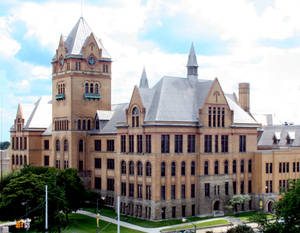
{"points": [[17, 160], [193, 168], [13, 160], [83, 125], [80, 145], [97, 124], [173, 169], [21, 160], [123, 167], [148, 169], [66, 145], [183, 168], [57, 145], [131, 168], [242, 166], [25, 160], [86, 88], [140, 168], [163, 169], [79, 124], [206, 168], [234, 166], [91, 88], [226, 167], [216, 167], [89, 125], [135, 117], [96, 88]]}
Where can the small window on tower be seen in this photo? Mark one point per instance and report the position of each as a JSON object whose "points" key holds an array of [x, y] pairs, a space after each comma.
{"points": [[96, 88], [91, 88], [86, 88]]}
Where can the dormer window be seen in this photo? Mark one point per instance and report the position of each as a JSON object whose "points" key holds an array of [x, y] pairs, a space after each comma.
{"points": [[276, 138], [135, 117], [290, 137]]}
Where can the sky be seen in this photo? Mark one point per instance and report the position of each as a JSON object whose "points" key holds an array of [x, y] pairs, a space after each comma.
{"points": [[255, 41]]}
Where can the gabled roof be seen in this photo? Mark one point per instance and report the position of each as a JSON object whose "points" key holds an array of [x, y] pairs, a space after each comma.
{"points": [[78, 37]]}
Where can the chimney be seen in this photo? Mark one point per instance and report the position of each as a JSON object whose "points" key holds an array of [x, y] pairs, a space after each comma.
{"points": [[244, 96]]}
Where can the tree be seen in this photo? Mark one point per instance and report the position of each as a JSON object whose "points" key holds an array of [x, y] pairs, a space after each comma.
{"points": [[241, 229], [4, 145], [237, 200]]}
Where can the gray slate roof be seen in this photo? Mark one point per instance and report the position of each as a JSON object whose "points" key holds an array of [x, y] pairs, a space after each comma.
{"points": [[267, 136]]}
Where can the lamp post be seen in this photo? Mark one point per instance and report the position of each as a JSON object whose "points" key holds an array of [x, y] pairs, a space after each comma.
{"points": [[98, 214], [186, 220]]}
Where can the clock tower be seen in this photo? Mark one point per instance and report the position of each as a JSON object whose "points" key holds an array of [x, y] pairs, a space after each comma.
{"points": [[81, 85]]}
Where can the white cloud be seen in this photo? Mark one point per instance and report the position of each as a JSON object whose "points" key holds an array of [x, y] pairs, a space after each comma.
{"points": [[41, 72]]}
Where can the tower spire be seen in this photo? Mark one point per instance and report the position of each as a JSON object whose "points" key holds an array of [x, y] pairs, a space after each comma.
{"points": [[192, 65], [144, 80]]}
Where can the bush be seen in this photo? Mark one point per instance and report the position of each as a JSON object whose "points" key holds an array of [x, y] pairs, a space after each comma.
{"points": [[241, 229]]}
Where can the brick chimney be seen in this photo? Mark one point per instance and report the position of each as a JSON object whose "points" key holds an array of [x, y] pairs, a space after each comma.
{"points": [[244, 96]]}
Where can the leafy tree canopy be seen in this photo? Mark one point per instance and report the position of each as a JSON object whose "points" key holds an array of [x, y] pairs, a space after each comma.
{"points": [[4, 145]]}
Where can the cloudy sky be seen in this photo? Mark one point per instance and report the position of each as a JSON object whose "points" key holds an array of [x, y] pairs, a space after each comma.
{"points": [[256, 41]]}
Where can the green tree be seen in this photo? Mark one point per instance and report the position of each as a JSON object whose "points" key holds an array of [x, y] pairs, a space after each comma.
{"points": [[237, 200], [4, 145], [241, 229]]}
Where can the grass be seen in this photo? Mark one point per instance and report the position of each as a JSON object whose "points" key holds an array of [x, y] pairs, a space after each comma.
{"points": [[109, 212], [84, 224], [199, 225], [246, 215]]}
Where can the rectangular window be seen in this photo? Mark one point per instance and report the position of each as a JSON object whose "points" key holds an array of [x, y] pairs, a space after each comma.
{"points": [[226, 188], [219, 117], [283, 167], [242, 187], [148, 192], [17, 143], [25, 143], [287, 167], [249, 186], [173, 211], [110, 145], [207, 143], [46, 160], [97, 163], [271, 186], [191, 144], [249, 166], [123, 189], [131, 143], [163, 192], [140, 190], [270, 168], [183, 191], [242, 143], [21, 143], [131, 190], [148, 143], [209, 116], [165, 144], [267, 168], [267, 186], [183, 210], [178, 143], [234, 187], [46, 144], [294, 167], [97, 144], [192, 190], [13, 143], [98, 183], [111, 164], [207, 189], [216, 143], [297, 166], [214, 116], [223, 117], [224, 143], [173, 192], [123, 143], [193, 210], [140, 143], [110, 184], [280, 168]]}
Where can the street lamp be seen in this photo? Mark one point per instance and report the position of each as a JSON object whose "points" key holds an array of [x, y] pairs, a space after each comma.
{"points": [[98, 214], [184, 220]]}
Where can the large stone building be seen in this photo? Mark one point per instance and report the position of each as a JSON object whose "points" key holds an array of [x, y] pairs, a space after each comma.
{"points": [[180, 148]]}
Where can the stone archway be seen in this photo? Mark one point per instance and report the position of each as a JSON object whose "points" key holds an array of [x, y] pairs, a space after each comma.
{"points": [[217, 206], [270, 206]]}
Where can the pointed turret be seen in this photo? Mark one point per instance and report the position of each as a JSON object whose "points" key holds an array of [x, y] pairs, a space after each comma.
{"points": [[20, 111], [192, 65], [144, 80]]}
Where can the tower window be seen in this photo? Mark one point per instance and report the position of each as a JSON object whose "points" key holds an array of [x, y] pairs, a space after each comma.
{"points": [[57, 145], [79, 124], [96, 88], [86, 88], [135, 117], [91, 88], [77, 66], [66, 145]]}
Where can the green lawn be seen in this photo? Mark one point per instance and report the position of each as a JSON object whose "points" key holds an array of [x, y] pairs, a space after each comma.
{"points": [[245, 216], [199, 225], [109, 212], [83, 224]]}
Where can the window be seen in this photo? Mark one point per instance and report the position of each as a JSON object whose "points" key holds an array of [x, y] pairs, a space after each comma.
{"points": [[140, 168], [98, 183], [249, 166], [57, 145], [193, 168], [163, 169], [97, 123], [80, 165], [267, 186], [226, 188], [193, 210], [209, 116], [148, 192], [135, 117], [110, 184], [242, 166], [80, 145], [280, 168], [83, 125], [110, 145], [165, 144], [123, 189], [242, 143], [131, 168], [131, 190], [224, 143], [223, 117], [140, 191], [249, 186], [123, 167], [192, 190], [191, 143], [207, 189], [17, 143], [173, 211], [267, 168], [89, 125], [183, 211], [287, 167], [46, 144], [139, 143], [207, 144], [148, 169], [77, 66], [173, 192], [214, 116], [97, 144], [183, 191], [297, 166], [21, 142], [242, 187], [21, 160], [163, 192], [91, 88], [111, 164], [178, 143], [123, 143], [86, 88], [148, 143], [173, 169], [183, 168], [25, 159], [97, 163], [66, 145], [25, 143], [226, 167], [13, 160], [216, 143], [206, 168], [79, 125], [216, 167], [131, 143], [17, 160], [271, 186], [46, 160], [234, 166], [294, 167], [234, 187]]}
